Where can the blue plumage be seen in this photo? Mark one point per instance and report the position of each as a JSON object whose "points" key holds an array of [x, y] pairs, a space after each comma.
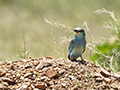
{"points": [[77, 44]]}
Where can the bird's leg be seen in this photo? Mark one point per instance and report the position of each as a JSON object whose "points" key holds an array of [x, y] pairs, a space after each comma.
{"points": [[82, 60], [81, 57]]}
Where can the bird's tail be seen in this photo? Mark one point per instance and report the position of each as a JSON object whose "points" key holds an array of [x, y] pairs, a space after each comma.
{"points": [[69, 56]]}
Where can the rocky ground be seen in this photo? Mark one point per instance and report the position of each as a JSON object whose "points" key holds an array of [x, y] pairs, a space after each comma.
{"points": [[56, 74]]}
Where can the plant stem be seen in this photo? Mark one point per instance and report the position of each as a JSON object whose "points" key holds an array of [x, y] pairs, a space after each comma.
{"points": [[24, 45]]}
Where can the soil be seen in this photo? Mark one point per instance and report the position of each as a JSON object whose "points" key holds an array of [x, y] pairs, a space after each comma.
{"points": [[56, 74]]}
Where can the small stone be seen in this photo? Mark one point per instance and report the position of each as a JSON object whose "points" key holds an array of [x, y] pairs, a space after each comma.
{"points": [[54, 65], [86, 84], [100, 88], [82, 71], [107, 69], [51, 82], [118, 87], [48, 63], [57, 69], [116, 75], [60, 63], [117, 79], [80, 76], [63, 84], [5, 83], [33, 77], [49, 57], [71, 77], [105, 73], [27, 74], [24, 60], [31, 71], [66, 75], [99, 79], [24, 86], [28, 66], [2, 72], [29, 57], [12, 67], [40, 65], [36, 63], [2, 87], [62, 71], [0, 80], [51, 86], [36, 89], [75, 87], [107, 80], [40, 85], [97, 75], [92, 64], [43, 78], [32, 86], [22, 78], [9, 81], [50, 73]]}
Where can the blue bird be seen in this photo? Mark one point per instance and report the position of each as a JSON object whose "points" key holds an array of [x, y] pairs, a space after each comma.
{"points": [[77, 45]]}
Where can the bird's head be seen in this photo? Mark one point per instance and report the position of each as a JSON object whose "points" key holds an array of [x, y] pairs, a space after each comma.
{"points": [[79, 31]]}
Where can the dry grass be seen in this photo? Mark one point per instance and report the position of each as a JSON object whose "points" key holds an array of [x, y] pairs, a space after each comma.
{"points": [[43, 39]]}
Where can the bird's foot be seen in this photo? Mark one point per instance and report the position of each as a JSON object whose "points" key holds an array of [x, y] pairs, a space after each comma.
{"points": [[80, 61], [74, 60], [83, 62]]}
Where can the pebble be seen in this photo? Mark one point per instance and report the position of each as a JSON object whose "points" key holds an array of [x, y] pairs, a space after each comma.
{"points": [[61, 71], [40, 65], [107, 80], [43, 78], [71, 77], [40, 85], [56, 74], [50, 73], [28, 66], [27, 74], [36, 63], [2, 72], [97, 75], [99, 79], [105, 73], [8, 80]]}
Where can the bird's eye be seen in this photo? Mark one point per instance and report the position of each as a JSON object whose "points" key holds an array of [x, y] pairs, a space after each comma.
{"points": [[81, 30], [76, 31]]}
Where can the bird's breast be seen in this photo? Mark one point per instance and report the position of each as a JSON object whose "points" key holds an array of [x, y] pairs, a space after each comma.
{"points": [[79, 48]]}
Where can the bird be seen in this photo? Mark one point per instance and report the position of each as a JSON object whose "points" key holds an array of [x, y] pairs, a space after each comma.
{"points": [[77, 45]]}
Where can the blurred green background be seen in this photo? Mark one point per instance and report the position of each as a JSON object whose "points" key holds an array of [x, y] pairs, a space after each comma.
{"points": [[27, 17]]}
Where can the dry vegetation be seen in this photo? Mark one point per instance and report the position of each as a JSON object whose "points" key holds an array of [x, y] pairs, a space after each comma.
{"points": [[27, 18]]}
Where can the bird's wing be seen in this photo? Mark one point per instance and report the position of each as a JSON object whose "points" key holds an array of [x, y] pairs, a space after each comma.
{"points": [[71, 44], [84, 47]]}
